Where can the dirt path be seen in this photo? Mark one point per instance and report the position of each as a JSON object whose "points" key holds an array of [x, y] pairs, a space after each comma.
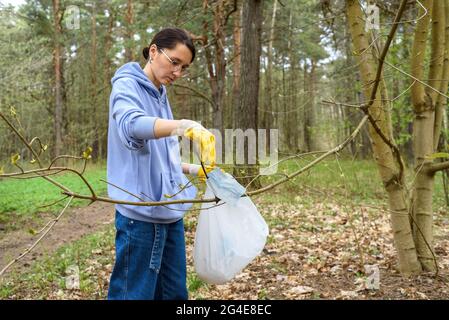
{"points": [[74, 224]]}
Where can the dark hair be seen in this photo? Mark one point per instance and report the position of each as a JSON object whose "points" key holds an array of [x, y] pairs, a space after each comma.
{"points": [[168, 38]]}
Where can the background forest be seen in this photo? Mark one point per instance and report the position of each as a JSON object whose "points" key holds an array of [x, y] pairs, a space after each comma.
{"points": [[319, 78]]}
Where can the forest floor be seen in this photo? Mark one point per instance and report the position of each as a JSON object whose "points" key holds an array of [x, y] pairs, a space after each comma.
{"points": [[73, 225], [320, 241]]}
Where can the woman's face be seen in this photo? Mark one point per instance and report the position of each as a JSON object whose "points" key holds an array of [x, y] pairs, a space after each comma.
{"points": [[169, 64]]}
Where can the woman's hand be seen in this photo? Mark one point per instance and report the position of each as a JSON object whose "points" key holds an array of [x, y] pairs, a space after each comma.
{"points": [[204, 140], [197, 170]]}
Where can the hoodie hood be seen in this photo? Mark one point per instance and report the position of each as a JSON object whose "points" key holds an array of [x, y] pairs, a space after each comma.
{"points": [[134, 71]]}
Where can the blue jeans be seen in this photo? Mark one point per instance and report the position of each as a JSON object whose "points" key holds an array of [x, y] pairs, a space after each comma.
{"points": [[150, 261]]}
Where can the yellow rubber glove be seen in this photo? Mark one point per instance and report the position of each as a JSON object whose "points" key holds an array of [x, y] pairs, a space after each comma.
{"points": [[205, 142], [197, 170], [201, 175], [203, 138]]}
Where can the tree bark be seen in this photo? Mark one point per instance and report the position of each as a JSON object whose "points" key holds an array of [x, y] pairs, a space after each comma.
{"points": [[216, 68], [96, 117], [107, 68], [267, 114], [424, 101], [219, 94], [129, 20], [442, 101], [236, 68], [58, 72], [309, 116], [383, 155], [250, 54]]}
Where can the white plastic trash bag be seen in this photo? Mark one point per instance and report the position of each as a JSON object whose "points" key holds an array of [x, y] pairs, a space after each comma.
{"points": [[224, 186], [228, 237]]}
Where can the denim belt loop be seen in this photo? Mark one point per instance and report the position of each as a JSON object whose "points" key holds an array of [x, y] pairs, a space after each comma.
{"points": [[158, 247]]}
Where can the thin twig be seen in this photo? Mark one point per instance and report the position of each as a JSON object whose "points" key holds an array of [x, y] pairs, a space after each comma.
{"points": [[36, 156], [115, 186], [357, 240], [317, 160], [53, 222], [416, 79], [197, 92], [64, 157], [53, 203]]}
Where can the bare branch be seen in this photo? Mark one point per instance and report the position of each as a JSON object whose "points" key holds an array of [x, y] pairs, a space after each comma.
{"points": [[53, 203], [340, 104], [438, 167], [115, 186], [93, 197], [64, 157], [317, 160], [416, 79], [21, 138], [36, 156], [200, 94]]}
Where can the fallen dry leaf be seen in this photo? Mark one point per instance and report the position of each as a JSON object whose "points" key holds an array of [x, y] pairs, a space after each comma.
{"points": [[301, 290]]}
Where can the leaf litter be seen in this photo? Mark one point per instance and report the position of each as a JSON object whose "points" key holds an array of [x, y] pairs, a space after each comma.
{"points": [[315, 250]]}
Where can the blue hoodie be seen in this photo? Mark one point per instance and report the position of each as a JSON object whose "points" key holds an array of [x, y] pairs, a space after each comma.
{"points": [[138, 162]]}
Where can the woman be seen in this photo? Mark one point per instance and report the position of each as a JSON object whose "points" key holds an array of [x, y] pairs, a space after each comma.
{"points": [[144, 160]]}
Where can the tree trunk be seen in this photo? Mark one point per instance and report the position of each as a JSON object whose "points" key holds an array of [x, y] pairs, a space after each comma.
{"points": [[107, 71], [364, 149], [58, 71], [383, 155], [305, 131], [268, 109], [129, 40], [348, 114], [309, 120], [442, 101], [217, 68], [248, 108], [236, 66], [96, 116], [424, 102], [220, 94], [292, 95]]}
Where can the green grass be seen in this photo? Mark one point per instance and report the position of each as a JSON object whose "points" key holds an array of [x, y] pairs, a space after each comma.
{"points": [[21, 200], [358, 181], [194, 283], [332, 175]]}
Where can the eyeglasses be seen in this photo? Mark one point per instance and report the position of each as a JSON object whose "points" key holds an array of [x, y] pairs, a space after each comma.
{"points": [[176, 65]]}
